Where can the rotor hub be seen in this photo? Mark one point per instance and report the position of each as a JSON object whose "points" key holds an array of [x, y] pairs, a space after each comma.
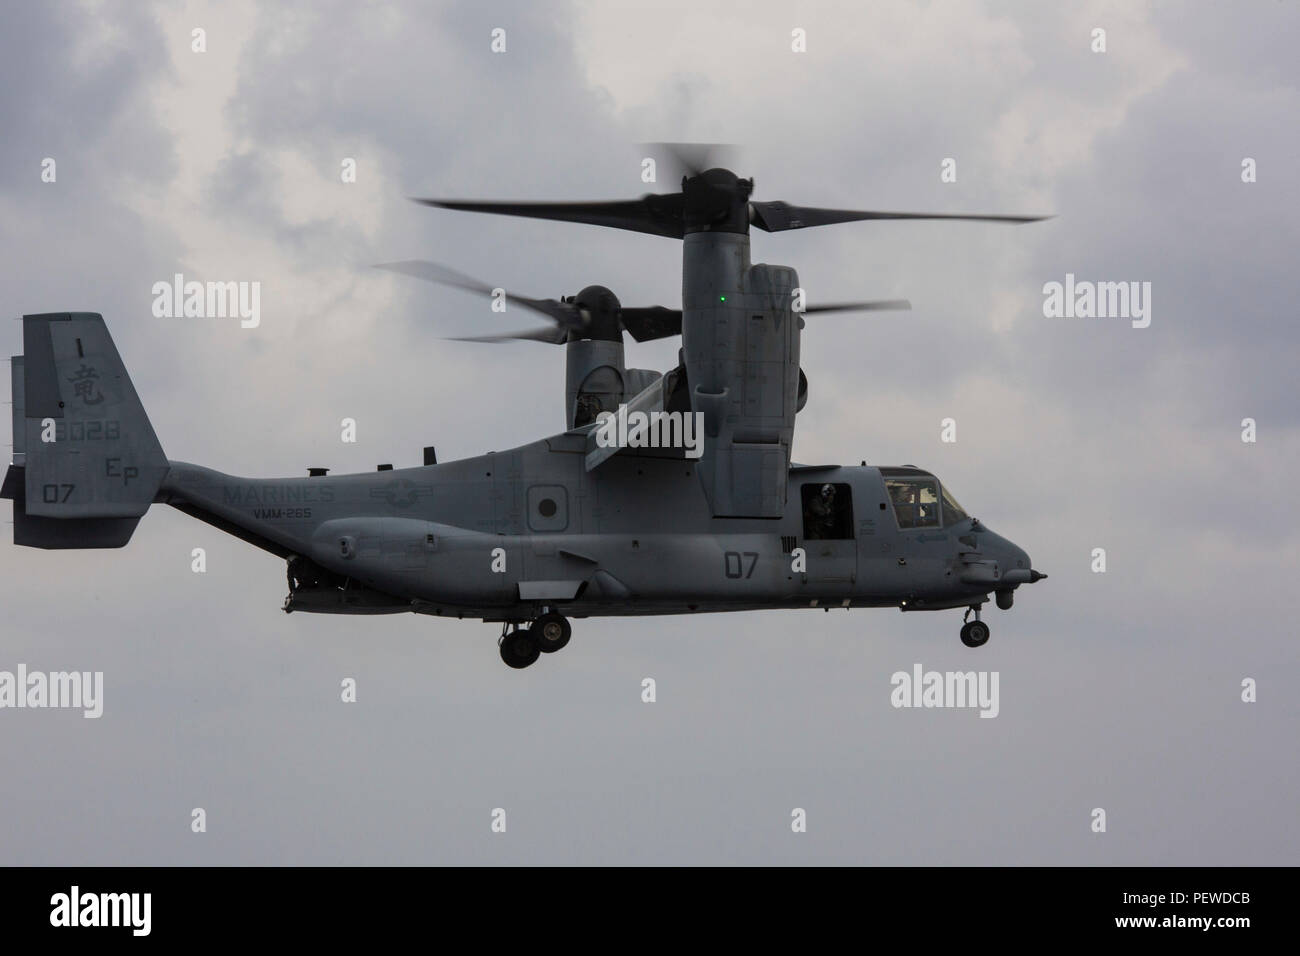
{"points": [[600, 310], [716, 200]]}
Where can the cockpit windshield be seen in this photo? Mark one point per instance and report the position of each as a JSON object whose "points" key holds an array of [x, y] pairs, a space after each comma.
{"points": [[952, 512]]}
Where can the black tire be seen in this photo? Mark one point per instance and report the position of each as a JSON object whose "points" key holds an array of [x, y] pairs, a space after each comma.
{"points": [[975, 634], [553, 632], [519, 648]]}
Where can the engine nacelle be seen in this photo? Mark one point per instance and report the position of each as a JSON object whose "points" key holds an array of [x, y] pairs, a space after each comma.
{"points": [[594, 381], [741, 340]]}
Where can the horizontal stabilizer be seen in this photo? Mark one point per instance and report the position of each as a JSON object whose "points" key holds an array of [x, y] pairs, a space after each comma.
{"points": [[33, 531]]}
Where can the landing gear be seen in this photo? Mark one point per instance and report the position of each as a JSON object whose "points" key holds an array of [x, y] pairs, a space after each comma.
{"points": [[974, 633], [553, 631], [520, 647]]}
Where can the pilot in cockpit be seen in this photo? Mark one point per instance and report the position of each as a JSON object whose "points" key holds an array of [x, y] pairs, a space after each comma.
{"points": [[903, 508]]}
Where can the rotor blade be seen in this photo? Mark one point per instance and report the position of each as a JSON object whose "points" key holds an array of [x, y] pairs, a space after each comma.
{"points": [[780, 216], [563, 313], [551, 335], [652, 322], [877, 305], [659, 215], [432, 272]]}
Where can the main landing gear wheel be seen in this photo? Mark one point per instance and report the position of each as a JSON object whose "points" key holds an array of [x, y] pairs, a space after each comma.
{"points": [[553, 632], [520, 647]]}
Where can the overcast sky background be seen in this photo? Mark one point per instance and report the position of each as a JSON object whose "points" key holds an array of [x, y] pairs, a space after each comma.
{"points": [[1118, 690]]}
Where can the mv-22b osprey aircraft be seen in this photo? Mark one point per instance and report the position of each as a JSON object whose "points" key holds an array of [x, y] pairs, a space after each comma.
{"points": [[574, 525]]}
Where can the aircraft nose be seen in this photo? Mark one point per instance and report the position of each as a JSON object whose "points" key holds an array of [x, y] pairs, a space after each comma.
{"points": [[1013, 561], [1016, 566], [1017, 557]]}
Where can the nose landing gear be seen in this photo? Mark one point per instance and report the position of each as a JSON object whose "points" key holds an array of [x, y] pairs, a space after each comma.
{"points": [[974, 633], [521, 646]]}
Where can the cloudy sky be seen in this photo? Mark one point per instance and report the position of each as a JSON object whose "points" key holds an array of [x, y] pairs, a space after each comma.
{"points": [[1120, 690]]}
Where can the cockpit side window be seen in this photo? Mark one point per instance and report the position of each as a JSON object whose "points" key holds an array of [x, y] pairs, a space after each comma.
{"points": [[915, 501]]}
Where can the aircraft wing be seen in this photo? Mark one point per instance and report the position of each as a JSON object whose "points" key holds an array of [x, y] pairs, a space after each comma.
{"points": [[649, 399]]}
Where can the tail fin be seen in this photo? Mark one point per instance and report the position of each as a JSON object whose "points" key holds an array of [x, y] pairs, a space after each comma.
{"points": [[87, 463]]}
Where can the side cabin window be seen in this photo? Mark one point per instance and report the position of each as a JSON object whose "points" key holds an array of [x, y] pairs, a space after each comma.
{"points": [[915, 501], [827, 511]]}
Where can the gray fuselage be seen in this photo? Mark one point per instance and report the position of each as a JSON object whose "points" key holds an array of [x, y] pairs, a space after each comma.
{"points": [[504, 535]]}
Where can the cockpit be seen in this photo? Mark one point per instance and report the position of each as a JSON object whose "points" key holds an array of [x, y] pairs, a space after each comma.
{"points": [[919, 500]]}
